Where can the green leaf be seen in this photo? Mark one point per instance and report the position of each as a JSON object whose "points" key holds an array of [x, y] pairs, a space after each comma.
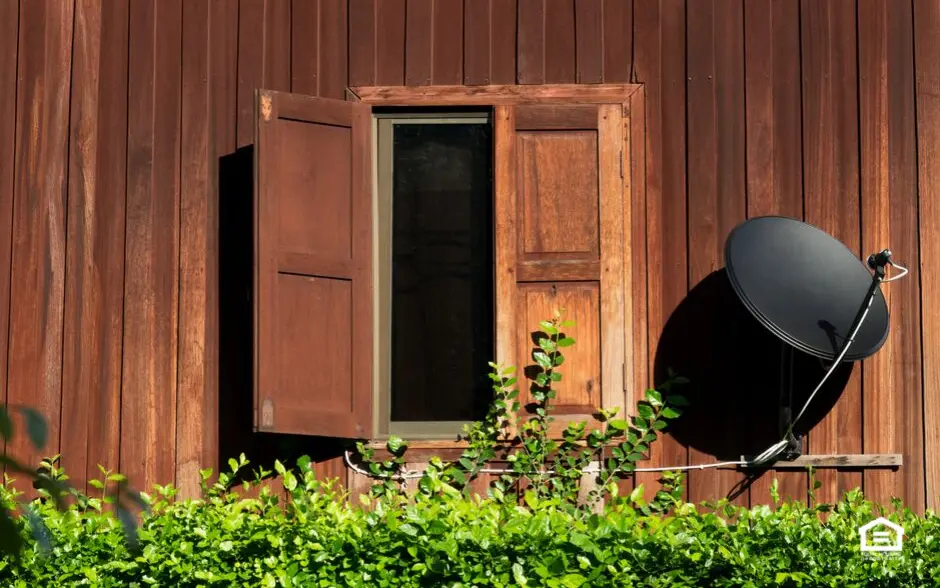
{"points": [[654, 397], [548, 327], [36, 426], [518, 575], [542, 359], [676, 400], [645, 411], [565, 342], [670, 413]]}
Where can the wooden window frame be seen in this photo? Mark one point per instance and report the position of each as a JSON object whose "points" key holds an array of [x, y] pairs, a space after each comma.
{"points": [[631, 97]]}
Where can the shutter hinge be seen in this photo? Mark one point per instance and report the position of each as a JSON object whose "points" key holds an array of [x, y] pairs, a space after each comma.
{"points": [[621, 164]]}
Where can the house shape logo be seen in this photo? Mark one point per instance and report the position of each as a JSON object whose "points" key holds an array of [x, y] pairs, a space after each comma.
{"points": [[876, 535]]}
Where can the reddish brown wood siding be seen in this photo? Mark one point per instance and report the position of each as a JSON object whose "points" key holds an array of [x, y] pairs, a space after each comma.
{"points": [[117, 215]]}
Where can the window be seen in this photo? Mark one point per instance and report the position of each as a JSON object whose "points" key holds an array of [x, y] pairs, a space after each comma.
{"points": [[404, 240], [434, 287]]}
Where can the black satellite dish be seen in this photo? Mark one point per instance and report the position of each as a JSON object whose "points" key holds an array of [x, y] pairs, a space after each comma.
{"points": [[809, 290]]}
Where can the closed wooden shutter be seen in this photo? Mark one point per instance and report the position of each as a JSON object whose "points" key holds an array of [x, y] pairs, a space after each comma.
{"points": [[560, 201], [313, 266]]}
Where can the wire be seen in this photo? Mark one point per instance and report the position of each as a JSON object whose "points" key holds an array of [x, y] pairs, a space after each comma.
{"points": [[592, 469]]}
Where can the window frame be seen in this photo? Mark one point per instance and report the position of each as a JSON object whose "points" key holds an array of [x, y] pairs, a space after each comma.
{"points": [[632, 99], [383, 125]]}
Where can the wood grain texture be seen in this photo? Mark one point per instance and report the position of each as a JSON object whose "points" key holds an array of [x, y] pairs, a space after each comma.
{"points": [[530, 42], [195, 417], [503, 39], [276, 41], [390, 42], [660, 31], [39, 221], [831, 167], [223, 116], [333, 69], [94, 294], [9, 39], [362, 42], [559, 41], [589, 35], [476, 42], [505, 233], [151, 289], [494, 94], [618, 35], [419, 27], [635, 252], [926, 44], [614, 296], [305, 46], [774, 149], [892, 393], [716, 204], [447, 45]]}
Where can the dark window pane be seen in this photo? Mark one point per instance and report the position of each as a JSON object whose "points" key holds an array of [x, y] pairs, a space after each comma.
{"points": [[442, 271]]}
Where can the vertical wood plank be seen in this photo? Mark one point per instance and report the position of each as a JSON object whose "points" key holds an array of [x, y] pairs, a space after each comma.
{"points": [[589, 36], [334, 29], [476, 42], [559, 42], [418, 42], [503, 19], [390, 43], [637, 328], [927, 45], [530, 43], [447, 44], [223, 116], [148, 416], [362, 36], [774, 161], [9, 39], [250, 65], [505, 212], [612, 196], [304, 46], [892, 390], [39, 221], [660, 29], [91, 371], [194, 418], [716, 206], [617, 37], [277, 44], [830, 163]]}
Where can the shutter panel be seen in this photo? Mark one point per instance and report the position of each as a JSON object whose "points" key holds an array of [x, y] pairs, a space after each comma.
{"points": [[560, 201], [313, 266]]}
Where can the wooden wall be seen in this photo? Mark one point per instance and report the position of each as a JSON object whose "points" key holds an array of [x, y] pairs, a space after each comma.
{"points": [[122, 191]]}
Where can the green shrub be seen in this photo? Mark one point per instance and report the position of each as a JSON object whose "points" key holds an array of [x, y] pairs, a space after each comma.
{"points": [[318, 539], [534, 526]]}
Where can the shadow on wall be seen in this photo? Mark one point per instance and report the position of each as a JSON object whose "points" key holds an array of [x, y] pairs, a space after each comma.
{"points": [[236, 402], [736, 370]]}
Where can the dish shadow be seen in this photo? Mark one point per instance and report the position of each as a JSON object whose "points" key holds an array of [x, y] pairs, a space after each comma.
{"points": [[737, 372]]}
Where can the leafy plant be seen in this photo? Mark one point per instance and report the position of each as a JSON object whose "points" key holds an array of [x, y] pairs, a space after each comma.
{"points": [[541, 466], [316, 538], [51, 485]]}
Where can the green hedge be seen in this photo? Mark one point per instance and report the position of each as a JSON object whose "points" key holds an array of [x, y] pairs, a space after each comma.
{"points": [[448, 539]]}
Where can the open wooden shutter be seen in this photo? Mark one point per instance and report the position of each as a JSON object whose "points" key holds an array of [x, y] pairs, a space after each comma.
{"points": [[313, 266], [560, 201]]}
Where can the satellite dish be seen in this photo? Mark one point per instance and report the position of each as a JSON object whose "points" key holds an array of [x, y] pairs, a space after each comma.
{"points": [[809, 290]]}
